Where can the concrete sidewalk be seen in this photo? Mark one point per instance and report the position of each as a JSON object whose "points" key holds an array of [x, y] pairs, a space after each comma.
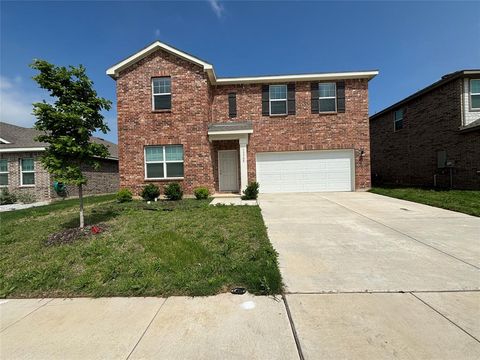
{"points": [[218, 327]]}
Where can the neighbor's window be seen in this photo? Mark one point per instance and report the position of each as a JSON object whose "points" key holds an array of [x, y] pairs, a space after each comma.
{"points": [[475, 94], [278, 99], [161, 93], [328, 97], [164, 162], [3, 172], [398, 119], [27, 175]]}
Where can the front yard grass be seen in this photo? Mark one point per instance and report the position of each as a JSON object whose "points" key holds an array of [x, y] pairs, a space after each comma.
{"points": [[165, 248], [464, 201]]}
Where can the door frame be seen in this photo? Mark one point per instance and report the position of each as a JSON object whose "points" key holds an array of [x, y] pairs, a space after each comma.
{"points": [[236, 170]]}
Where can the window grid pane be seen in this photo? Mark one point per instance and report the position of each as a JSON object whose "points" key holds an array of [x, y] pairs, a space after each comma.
{"points": [[161, 86], [475, 86], [174, 170], [278, 107], [3, 165], [154, 153], [155, 170], [327, 105], [27, 165], [3, 179], [174, 153], [475, 101], [278, 92], [399, 115], [28, 178], [327, 90]]}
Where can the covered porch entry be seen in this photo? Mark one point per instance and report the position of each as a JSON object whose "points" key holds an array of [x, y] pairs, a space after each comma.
{"points": [[229, 142]]}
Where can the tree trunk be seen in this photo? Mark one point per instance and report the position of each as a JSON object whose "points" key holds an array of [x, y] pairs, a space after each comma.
{"points": [[80, 196]]}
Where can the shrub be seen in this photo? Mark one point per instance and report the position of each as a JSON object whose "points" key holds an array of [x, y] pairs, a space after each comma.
{"points": [[150, 192], [173, 191], [124, 195], [201, 193], [251, 191], [7, 198], [25, 197]]}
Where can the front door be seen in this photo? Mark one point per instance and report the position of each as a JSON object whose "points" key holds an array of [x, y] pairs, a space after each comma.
{"points": [[227, 170]]}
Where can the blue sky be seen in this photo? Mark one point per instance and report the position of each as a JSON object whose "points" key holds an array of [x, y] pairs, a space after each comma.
{"points": [[411, 43]]}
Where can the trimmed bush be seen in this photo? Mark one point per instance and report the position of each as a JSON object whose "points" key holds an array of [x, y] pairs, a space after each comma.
{"points": [[173, 191], [7, 198], [201, 193], [150, 192], [124, 195], [25, 197], [251, 191]]}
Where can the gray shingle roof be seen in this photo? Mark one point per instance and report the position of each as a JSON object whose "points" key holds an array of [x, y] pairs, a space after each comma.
{"points": [[230, 126], [21, 137]]}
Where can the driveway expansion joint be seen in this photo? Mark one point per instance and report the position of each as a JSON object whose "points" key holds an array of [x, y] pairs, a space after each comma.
{"points": [[146, 329], [31, 312], [292, 327], [445, 317]]}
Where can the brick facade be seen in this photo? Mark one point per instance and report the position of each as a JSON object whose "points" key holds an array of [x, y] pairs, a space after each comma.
{"points": [[196, 103], [101, 181], [431, 123]]}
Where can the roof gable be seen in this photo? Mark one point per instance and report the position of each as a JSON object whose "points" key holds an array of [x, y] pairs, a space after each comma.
{"points": [[115, 70]]}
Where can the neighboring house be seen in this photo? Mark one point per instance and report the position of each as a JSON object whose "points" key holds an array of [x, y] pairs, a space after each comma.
{"points": [[178, 121], [431, 138], [22, 171]]}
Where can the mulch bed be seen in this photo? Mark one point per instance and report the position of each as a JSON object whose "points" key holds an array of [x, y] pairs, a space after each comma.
{"points": [[69, 236]]}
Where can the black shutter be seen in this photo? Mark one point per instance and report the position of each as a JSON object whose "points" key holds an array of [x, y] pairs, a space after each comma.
{"points": [[291, 99], [232, 105], [265, 101], [341, 96], [315, 100]]}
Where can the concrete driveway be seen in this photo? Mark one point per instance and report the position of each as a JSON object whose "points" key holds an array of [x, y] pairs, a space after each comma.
{"points": [[373, 277]]}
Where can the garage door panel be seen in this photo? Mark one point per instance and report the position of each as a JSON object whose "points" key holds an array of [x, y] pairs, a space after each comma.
{"points": [[305, 171]]}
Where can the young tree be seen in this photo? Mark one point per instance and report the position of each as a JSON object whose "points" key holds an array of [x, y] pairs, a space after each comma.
{"points": [[69, 123]]}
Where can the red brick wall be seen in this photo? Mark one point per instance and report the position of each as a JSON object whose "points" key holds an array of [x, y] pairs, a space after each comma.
{"points": [[431, 123], [195, 104]]}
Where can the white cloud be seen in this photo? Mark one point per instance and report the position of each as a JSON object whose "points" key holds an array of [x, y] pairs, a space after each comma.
{"points": [[16, 102], [217, 8]]}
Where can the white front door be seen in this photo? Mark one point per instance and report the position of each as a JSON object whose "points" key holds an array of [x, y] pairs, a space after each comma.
{"points": [[228, 170]]}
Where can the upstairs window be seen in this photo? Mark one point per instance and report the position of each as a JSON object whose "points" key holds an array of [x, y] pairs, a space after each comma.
{"points": [[327, 97], [164, 162], [475, 94], [3, 172], [398, 119], [161, 93], [27, 176], [278, 99], [232, 105]]}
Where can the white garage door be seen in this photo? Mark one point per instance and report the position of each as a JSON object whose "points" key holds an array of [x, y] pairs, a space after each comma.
{"points": [[305, 171]]}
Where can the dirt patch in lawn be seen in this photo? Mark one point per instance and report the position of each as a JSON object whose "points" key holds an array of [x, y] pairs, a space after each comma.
{"points": [[71, 235]]}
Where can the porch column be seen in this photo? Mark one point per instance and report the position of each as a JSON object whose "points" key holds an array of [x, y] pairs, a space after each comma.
{"points": [[243, 163]]}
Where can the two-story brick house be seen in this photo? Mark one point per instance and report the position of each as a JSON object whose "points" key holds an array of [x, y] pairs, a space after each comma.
{"points": [[178, 121], [431, 138]]}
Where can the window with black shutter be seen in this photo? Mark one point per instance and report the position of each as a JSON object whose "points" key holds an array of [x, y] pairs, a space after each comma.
{"points": [[278, 99], [161, 93], [232, 105]]}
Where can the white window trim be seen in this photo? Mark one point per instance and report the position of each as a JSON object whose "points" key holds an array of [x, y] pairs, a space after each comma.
{"points": [[5, 172], [27, 172], [270, 100], [395, 120], [167, 93], [471, 94], [164, 162], [327, 97]]}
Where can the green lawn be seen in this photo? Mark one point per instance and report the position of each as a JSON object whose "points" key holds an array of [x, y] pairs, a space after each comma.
{"points": [[193, 249], [464, 201]]}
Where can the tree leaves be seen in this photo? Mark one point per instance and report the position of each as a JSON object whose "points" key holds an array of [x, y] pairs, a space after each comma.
{"points": [[69, 121]]}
